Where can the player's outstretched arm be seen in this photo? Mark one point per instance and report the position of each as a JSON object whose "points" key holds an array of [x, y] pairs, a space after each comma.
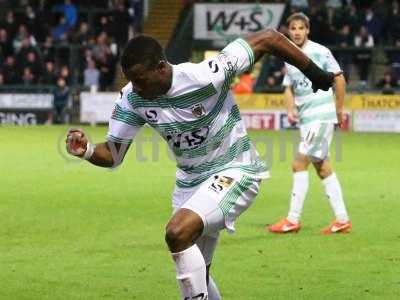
{"points": [[107, 154], [275, 43]]}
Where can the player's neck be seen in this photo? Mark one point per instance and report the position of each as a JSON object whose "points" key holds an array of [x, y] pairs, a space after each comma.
{"points": [[304, 43], [169, 78]]}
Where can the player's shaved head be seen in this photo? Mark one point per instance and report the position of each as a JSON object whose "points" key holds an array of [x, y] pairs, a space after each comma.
{"points": [[299, 16], [143, 50]]}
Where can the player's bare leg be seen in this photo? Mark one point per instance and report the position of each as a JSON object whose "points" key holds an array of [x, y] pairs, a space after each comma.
{"points": [[333, 191], [182, 231], [298, 195]]}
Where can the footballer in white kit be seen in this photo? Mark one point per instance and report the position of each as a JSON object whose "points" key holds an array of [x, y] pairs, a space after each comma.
{"points": [[316, 112], [190, 105]]}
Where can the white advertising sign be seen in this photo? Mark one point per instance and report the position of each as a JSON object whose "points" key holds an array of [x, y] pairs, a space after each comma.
{"points": [[227, 21], [97, 107], [377, 121], [26, 101]]}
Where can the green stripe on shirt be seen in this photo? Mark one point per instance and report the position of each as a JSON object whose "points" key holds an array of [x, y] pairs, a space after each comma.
{"points": [[315, 103], [240, 146], [330, 116]]}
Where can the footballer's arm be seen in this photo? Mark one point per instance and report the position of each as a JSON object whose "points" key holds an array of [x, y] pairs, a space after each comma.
{"points": [[340, 92], [108, 154], [275, 43], [290, 104]]}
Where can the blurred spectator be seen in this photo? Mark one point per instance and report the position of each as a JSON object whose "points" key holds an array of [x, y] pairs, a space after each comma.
{"points": [[299, 5], [321, 30], [106, 65], [32, 61], [136, 12], [273, 86], [30, 20], [363, 38], [381, 9], [61, 99], [344, 39], [245, 84], [82, 36], [65, 74], [23, 39], [388, 83], [48, 49], [363, 57], [70, 13], [91, 75], [6, 48], [10, 71], [49, 75], [10, 24], [335, 4], [101, 47], [352, 18], [394, 21], [60, 32], [105, 26], [121, 22], [2, 81], [28, 78], [373, 24]]}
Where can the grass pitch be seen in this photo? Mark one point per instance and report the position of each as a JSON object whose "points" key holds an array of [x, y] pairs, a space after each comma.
{"points": [[69, 230]]}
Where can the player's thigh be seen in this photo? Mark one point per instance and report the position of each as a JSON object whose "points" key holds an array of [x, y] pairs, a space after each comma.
{"points": [[315, 140], [222, 198], [323, 168]]}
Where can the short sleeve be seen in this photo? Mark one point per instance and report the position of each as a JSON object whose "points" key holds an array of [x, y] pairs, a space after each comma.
{"points": [[287, 80], [239, 55], [331, 65], [124, 123]]}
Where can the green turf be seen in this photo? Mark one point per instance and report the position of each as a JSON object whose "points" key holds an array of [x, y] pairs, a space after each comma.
{"points": [[69, 230]]}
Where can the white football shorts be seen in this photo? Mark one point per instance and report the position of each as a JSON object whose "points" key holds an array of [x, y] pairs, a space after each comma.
{"points": [[219, 200], [316, 139]]}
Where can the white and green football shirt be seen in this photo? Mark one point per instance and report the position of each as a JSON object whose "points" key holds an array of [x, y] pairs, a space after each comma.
{"points": [[313, 107], [197, 117]]}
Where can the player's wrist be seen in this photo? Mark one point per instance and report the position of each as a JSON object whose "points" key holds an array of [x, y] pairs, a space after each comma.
{"points": [[320, 78], [89, 151]]}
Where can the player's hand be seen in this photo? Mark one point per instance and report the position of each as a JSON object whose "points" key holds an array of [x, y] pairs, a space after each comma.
{"points": [[340, 118], [76, 142], [293, 117], [325, 81]]}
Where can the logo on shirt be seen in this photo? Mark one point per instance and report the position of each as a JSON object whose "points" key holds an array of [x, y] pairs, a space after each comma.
{"points": [[213, 66], [228, 62], [198, 110], [151, 115], [187, 140]]}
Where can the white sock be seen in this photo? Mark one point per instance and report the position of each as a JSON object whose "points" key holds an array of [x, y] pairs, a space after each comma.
{"points": [[213, 292], [334, 192], [191, 273], [299, 192]]}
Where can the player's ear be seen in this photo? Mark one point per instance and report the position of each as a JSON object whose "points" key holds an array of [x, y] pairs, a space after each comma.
{"points": [[162, 66]]}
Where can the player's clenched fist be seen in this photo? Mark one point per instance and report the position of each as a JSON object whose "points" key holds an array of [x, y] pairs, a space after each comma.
{"points": [[77, 144]]}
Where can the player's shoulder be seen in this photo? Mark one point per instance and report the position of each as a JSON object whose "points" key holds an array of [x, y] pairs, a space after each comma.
{"points": [[318, 47], [126, 96], [193, 73]]}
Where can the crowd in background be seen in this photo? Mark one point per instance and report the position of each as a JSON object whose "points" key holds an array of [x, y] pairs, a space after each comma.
{"points": [[36, 38]]}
